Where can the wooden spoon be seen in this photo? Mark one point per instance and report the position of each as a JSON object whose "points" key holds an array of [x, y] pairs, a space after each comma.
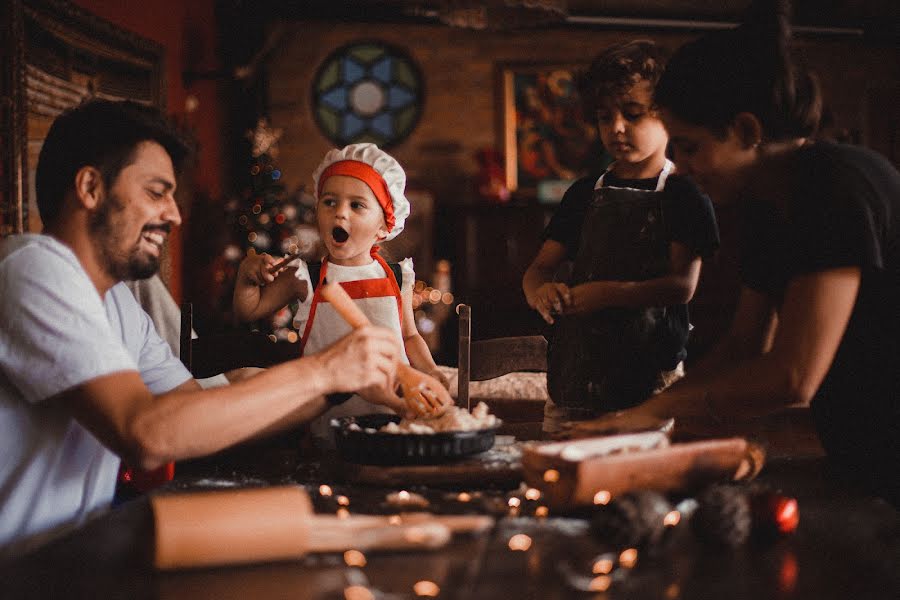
{"points": [[423, 393]]}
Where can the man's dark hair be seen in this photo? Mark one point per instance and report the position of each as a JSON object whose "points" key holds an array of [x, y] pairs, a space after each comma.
{"points": [[618, 68], [103, 134]]}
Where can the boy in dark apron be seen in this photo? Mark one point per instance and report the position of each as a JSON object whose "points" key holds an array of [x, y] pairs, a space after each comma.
{"points": [[635, 237]]}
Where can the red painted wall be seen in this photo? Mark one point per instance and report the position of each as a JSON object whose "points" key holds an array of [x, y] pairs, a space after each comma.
{"points": [[187, 31]]}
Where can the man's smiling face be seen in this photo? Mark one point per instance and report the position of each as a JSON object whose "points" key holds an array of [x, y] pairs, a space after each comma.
{"points": [[133, 222]]}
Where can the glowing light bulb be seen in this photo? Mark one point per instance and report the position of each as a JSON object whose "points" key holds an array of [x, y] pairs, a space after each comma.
{"points": [[628, 558], [358, 592], [603, 566], [672, 519], [520, 542], [602, 497], [600, 583], [426, 588], [354, 558]]}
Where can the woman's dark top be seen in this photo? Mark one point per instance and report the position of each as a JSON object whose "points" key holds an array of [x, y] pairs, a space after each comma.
{"points": [[841, 208]]}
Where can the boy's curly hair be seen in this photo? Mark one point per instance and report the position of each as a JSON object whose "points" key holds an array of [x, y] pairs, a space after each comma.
{"points": [[617, 69]]}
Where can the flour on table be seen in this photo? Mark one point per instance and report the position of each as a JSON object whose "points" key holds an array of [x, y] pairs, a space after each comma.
{"points": [[454, 418]]}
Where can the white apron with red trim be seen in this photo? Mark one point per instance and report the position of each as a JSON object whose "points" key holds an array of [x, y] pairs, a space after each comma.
{"points": [[376, 291]]}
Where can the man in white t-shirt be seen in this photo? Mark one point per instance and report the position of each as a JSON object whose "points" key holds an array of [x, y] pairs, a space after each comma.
{"points": [[84, 377]]}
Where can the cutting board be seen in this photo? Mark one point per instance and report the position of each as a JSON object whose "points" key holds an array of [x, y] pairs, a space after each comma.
{"points": [[501, 466]]}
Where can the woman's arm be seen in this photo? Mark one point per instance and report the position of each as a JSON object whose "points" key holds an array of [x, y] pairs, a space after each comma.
{"points": [[750, 335], [677, 287], [811, 324]]}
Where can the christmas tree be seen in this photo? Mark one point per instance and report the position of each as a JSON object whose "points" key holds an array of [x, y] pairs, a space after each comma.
{"points": [[266, 218]]}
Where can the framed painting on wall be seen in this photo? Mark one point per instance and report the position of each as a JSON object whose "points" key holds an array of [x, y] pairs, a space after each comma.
{"points": [[547, 140]]}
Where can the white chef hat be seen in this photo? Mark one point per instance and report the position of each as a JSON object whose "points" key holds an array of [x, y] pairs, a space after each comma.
{"points": [[377, 169]]}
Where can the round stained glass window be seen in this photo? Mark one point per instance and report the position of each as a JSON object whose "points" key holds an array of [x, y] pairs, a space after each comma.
{"points": [[367, 92]]}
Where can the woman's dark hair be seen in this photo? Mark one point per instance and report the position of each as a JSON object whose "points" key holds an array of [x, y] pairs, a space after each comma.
{"points": [[748, 69], [617, 69], [105, 135]]}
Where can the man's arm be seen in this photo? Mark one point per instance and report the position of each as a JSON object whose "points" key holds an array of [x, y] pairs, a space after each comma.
{"points": [[677, 287], [149, 431]]}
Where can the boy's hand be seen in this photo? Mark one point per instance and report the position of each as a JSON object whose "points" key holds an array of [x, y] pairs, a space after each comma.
{"points": [[550, 299], [585, 298]]}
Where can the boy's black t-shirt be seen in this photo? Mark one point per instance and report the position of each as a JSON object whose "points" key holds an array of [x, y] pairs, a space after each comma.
{"points": [[841, 208], [689, 219], [689, 214]]}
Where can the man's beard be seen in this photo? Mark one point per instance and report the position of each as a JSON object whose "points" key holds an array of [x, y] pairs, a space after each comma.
{"points": [[123, 266]]}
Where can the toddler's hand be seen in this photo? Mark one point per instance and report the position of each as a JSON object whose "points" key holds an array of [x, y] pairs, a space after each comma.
{"points": [[386, 397], [255, 270], [437, 374], [550, 299]]}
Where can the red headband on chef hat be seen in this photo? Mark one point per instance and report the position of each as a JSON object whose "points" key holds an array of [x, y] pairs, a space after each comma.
{"points": [[378, 170]]}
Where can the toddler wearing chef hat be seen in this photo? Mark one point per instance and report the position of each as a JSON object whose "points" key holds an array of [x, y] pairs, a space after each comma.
{"points": [[360, 202]]}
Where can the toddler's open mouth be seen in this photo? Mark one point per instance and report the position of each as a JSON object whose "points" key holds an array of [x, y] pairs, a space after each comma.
{"points": [[340, 235]]}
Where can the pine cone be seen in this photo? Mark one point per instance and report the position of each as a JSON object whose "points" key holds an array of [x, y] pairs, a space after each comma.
{"points": [[723, 517], [634, 519]]}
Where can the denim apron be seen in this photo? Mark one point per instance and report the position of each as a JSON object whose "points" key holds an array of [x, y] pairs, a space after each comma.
{"points": [[612, 359]]}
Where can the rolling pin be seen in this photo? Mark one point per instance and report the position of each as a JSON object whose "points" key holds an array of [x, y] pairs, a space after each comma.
{"points": [[203, 529]]}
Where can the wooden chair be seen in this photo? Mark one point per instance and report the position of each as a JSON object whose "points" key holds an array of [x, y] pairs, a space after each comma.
{"points": [[486, 359], [213, 354]]}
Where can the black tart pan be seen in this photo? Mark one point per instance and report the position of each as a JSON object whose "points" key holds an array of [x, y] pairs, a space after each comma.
{"points": [[404, 448]]}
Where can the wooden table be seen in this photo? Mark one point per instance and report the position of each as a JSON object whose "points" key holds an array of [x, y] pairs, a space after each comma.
{"points": [[847, 546]]}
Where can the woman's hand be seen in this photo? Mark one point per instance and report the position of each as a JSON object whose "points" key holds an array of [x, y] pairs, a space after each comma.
{"points": [[625, 421], [549, 299]]}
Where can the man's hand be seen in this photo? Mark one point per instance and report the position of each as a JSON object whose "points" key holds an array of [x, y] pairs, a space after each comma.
{"points": [[550, 299], [626, 421], [364, 358]]}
